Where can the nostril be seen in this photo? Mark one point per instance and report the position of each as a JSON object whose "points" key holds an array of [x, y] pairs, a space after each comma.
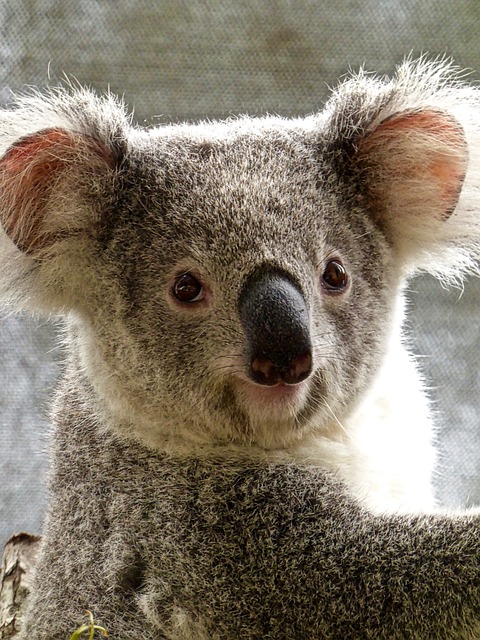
{"points": [[264, 371], [299, 369]]}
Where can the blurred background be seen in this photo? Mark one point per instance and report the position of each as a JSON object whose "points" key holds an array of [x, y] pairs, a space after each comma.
{"points": [[189, 59]]}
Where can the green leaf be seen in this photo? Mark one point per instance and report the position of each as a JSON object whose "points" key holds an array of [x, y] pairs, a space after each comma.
{"points": [[76, 635], [91, 628]]}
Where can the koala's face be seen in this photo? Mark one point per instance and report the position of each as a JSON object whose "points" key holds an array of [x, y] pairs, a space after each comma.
{"points": [[251, 294], [234, 282]]}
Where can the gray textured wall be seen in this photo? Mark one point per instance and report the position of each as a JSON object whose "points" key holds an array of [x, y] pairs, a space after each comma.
{"points": [[189, 59]]}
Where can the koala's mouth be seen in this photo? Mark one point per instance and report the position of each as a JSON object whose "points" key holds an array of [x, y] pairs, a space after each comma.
{"points": [[276, 401], [270, 416]]}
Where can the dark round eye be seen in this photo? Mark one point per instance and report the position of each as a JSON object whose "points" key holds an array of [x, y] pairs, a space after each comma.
{"points": [[335, 277], [187, 288]]}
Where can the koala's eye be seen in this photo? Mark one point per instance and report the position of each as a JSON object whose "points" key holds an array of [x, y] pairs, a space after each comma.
{"points": [[335, 277], [187, 288]]}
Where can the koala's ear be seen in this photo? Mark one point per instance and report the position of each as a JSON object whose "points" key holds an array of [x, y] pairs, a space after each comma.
{"points": [[411, 168], [40, 176], [409, 148], [56, 184]]}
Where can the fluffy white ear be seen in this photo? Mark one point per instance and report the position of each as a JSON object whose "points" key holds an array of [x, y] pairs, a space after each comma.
{"points": [[55, 183], [413, 166], [411, 147], [39, 177], [51, 185]]}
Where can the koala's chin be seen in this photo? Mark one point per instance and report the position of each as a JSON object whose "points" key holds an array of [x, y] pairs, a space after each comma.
{"points": [[274, 413]]}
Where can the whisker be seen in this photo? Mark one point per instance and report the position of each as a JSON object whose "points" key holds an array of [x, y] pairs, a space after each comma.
{"points": [[226, 367], [228, 355], [332, 413]]}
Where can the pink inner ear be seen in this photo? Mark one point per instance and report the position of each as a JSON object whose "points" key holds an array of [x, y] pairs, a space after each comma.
{"points": [[25, 151], [29, 172], [425, 145]]}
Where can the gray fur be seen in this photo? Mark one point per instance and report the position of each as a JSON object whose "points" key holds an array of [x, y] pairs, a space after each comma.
{"points": [[188, 502]]}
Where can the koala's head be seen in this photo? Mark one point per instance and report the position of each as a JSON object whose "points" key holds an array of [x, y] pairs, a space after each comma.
{"points": [[235, 281]]}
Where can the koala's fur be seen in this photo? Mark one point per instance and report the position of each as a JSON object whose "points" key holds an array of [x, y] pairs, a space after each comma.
{"points": [[189, 501]]}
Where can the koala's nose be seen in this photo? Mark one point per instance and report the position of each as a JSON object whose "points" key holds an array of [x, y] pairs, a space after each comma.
{"points": [[275, 321]]}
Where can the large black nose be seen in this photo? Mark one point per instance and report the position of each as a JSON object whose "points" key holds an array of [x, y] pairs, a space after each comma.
{"points": [[275, 322]]}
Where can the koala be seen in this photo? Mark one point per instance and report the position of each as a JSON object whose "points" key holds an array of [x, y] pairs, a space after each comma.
{"points": [[242, 446]]}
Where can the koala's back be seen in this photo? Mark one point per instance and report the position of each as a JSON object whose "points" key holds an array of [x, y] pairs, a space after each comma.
{"points": [[236, 549]]}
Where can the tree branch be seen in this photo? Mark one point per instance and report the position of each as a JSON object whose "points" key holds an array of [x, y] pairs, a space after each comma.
{"points": [[19, 558]]}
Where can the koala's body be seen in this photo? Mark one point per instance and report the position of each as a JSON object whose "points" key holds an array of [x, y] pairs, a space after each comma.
{"points": [[239, 425]]}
